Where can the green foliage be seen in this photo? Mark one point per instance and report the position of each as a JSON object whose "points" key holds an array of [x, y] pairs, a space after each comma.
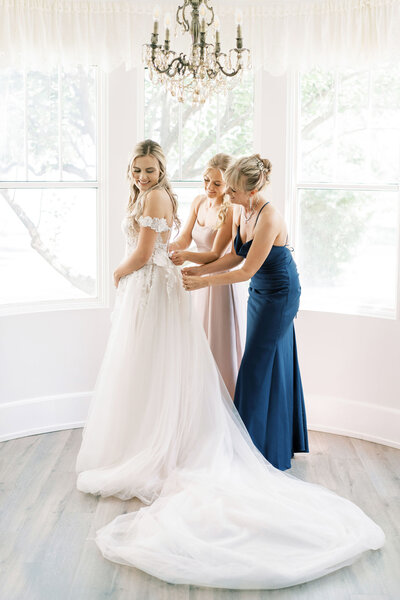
{"points": [[350, 125], [331, 224]]}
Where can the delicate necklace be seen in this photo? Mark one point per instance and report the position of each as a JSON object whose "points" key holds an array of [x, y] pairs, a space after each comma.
{"points": [[247, 219]]}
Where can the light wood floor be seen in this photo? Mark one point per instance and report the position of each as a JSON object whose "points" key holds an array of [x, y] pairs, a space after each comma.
{"points": [[47, 526]]}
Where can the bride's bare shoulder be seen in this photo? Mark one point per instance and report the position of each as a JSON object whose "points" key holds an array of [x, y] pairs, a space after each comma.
{"points": [[157, 203]]}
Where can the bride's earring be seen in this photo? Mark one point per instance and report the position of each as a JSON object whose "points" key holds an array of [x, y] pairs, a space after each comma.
{"points": [[250, 203]]}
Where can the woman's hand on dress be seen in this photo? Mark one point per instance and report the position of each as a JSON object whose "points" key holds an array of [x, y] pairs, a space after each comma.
{"points": [[172, 247], [178, 257], [193, 283], [192, 271]]}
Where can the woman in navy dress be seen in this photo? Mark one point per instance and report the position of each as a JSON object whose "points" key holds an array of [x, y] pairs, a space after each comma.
{"points": [[268, 394]]}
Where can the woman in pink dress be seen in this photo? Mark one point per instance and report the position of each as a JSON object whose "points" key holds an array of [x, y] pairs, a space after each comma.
{"points": [[210, 226]]}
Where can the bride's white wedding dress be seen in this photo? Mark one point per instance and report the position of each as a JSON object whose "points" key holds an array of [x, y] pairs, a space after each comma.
{"points": [[163, 428]]}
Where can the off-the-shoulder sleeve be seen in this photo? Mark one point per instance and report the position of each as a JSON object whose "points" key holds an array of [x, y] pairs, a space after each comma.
{"points": [[159, 225]]}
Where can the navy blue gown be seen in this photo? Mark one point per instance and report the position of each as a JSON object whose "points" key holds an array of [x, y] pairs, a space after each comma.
{"points": [[269, 393]]}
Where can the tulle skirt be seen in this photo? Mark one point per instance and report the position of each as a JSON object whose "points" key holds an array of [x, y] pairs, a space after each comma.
{"points": [[163, 428]]}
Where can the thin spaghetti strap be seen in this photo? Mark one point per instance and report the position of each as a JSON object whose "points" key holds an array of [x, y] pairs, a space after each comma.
{"points": [[255, 222]]}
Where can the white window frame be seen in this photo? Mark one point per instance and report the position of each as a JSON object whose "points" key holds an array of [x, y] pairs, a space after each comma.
{"points": [[101, 300], [294, 186]]}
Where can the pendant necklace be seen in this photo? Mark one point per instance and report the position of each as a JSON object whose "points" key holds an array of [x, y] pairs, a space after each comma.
{"points": [[247, 219]]}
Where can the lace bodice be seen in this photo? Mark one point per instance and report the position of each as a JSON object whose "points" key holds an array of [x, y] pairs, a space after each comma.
{"points": [[160, 253]]}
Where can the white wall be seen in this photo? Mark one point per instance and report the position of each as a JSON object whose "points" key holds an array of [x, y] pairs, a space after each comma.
{"points": [[350, 365]]}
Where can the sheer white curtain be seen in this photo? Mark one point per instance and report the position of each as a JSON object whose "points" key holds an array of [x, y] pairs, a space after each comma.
{"points": [[282, 34]]}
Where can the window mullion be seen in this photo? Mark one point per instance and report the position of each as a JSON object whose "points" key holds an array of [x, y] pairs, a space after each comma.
{"points": [[180, 141], [368, 187], [335, 124], [25, 125], [60, 110], [34, 185], [369, 120], [218, 129]]}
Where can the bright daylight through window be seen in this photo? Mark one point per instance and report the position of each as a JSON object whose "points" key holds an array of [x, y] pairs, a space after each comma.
{"points": [[191, 135], [48, 185], [347, 190]]}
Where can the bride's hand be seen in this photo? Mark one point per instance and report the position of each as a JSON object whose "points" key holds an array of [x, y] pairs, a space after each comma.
{"points": [[178, 257], [193, 283], [191, 271], [117, 277]]}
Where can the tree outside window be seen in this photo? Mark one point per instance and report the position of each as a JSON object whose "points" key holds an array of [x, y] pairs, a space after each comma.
{"points": [[347, 190], [48, 185]]}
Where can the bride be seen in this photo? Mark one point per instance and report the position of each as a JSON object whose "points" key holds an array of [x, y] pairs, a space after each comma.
{"points": [[162, 428]]}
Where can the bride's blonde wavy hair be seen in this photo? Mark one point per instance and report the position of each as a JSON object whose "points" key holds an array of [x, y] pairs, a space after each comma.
{"points": [[221, 161], [136, 198]]}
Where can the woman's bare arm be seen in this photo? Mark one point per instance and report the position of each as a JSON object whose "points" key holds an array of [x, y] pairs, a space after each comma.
{"points": [[184, 239], [226, 262], [220, 244], [266, 231], [155, 208]]}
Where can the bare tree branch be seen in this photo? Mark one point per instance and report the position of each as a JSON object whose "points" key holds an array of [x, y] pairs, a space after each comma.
{"points": [[84, 283]]}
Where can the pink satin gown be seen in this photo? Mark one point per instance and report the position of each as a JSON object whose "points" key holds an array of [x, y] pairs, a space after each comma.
{"points": [[223, 321]]}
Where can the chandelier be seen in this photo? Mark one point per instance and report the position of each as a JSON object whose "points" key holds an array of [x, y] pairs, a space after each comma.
{"points": [[205, 69]]}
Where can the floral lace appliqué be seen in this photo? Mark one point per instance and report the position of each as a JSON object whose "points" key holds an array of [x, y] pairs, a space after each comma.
{"points": [[159, 258], [158, 225]]}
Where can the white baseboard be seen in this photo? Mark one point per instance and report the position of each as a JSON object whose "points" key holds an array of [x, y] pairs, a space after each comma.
{"points": [[364, 421], [370, 422], [41, 415]]}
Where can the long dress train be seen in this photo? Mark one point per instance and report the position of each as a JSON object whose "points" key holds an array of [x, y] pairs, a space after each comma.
{"points": [[219, 311], [269, 392], [162, 427]]}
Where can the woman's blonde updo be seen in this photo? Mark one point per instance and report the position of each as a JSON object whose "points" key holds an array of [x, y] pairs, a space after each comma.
{"points": [[222, 162], [137, 198], [249, 173]]}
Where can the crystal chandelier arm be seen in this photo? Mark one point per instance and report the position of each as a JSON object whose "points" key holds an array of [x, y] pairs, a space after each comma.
{"points": [[210, 8], [184, 22], [231, 73], [178, 65]]}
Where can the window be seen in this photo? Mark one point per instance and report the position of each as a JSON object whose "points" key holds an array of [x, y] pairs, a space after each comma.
{"points": [[49, 205], [191, 135], [346, 189]]}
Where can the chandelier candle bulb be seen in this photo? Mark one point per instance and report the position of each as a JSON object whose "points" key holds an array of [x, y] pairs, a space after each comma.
{"points": [[238, 16], [167, 25], [217, 26], [156, 13], [239, 21]]}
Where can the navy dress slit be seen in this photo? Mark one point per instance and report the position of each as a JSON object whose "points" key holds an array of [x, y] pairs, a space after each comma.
{"points": [[269, 392]]}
